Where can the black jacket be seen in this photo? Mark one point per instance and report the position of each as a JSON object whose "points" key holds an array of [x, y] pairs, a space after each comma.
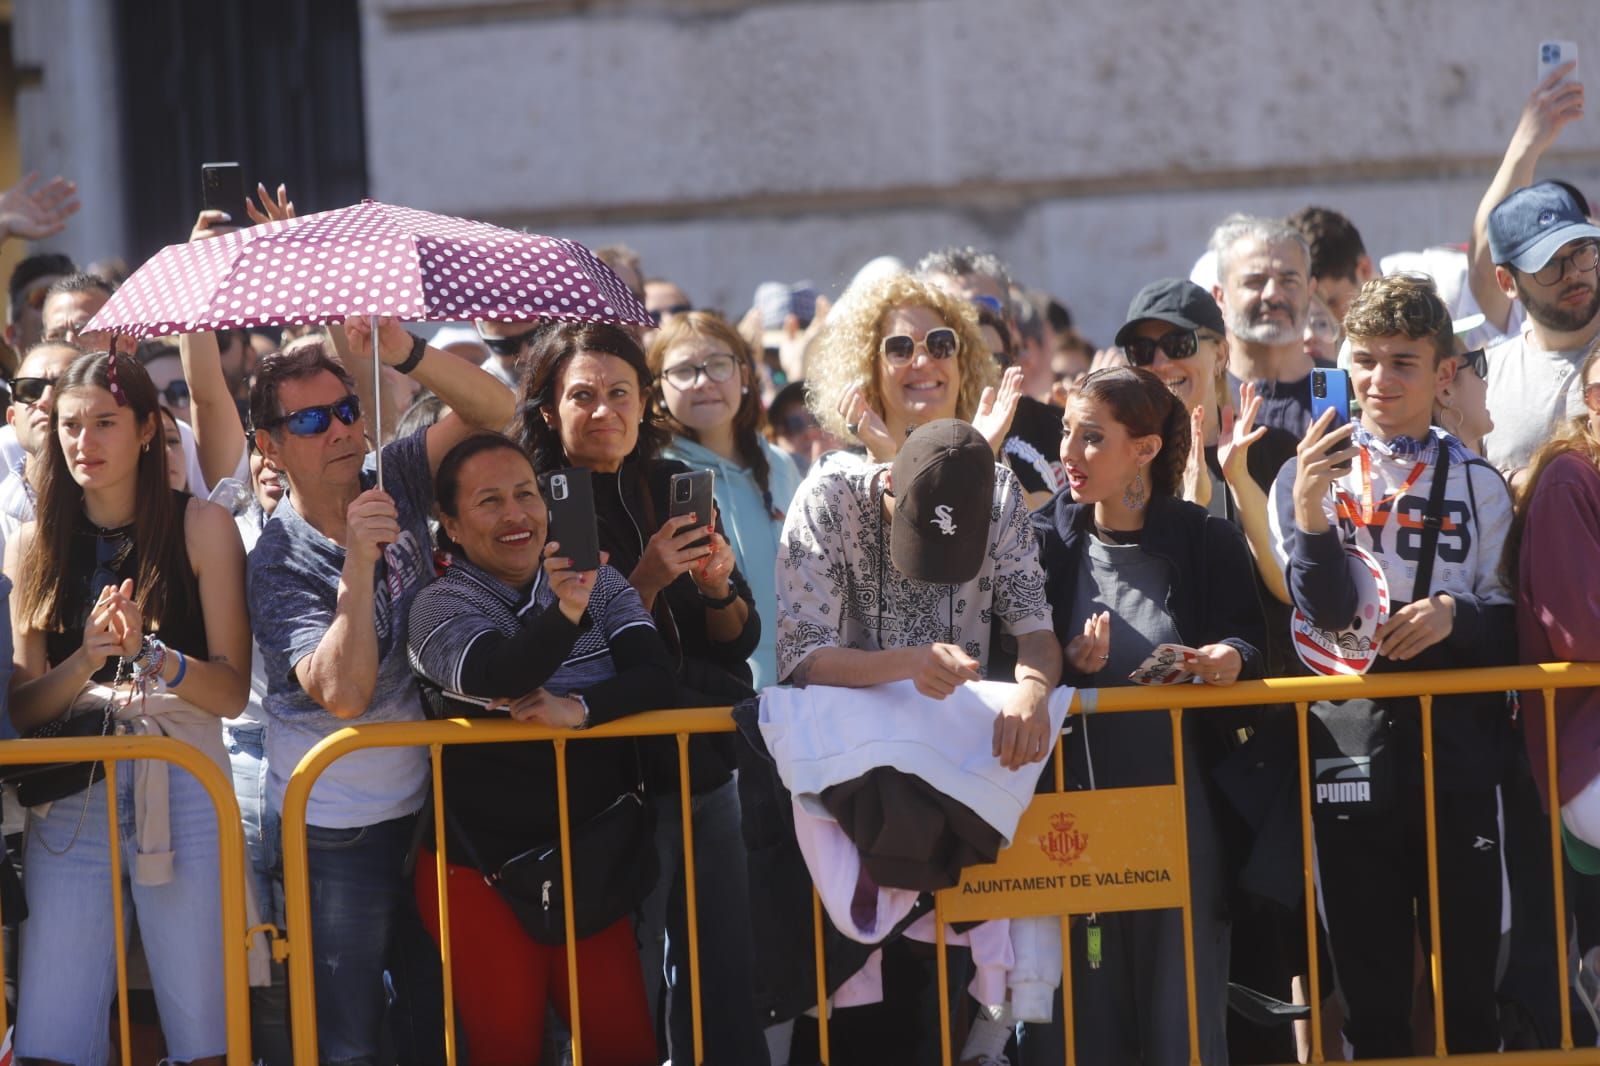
{"points": [[1212, 598]]}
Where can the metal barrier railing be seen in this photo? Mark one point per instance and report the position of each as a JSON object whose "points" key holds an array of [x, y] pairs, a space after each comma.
{"points": [[682, 724], [231, 859]]}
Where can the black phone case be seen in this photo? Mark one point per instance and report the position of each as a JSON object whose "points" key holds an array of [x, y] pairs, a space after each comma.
{"points": [[222, 189], [569, 495], [700, 502]]}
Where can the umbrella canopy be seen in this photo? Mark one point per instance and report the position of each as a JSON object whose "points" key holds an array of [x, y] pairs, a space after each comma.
{"points": [[370, 258]]}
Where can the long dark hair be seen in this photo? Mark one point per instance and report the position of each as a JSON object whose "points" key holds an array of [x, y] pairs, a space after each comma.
{"points": [[748, 420], [1145, 407], [541, 377], [164, 582]]}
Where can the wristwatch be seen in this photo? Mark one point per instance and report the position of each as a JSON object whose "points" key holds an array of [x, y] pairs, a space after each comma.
{"points": [[586, 723], [725, 601]]}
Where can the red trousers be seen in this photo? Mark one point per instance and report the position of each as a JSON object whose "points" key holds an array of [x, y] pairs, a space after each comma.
{"points": [[503, 979]]}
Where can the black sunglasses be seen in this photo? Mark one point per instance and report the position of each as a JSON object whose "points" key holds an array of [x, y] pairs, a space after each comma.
{"points": [[310, 421], [1478, 360], [29, 390], [1179, 344], [679, 309], [176, 393], [508, 345]]}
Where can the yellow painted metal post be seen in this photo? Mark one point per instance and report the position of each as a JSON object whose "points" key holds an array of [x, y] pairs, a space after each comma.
{"points": [[1070, 1050], [1188, 900], [944, 983], [118, 921], [1558, 866], [441, 870], [823, 1050], [1307, 857], [1436, 957], [692, 900], [564, 813]]}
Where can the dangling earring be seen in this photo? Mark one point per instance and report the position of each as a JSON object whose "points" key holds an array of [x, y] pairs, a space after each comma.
{"points": [[1135, 496], [1445, 410]]}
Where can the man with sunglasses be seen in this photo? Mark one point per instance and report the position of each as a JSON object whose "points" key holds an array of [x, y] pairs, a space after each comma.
{"points": [[507, 343], [1547, 255], [331, 582], [28, 415]]}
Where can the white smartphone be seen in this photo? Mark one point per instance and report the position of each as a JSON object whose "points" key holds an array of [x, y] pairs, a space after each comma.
{"points": [[1553, 54]]}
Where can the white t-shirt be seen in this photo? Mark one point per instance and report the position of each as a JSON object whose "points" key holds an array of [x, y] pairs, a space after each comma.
{"points": [[1531, 392]]}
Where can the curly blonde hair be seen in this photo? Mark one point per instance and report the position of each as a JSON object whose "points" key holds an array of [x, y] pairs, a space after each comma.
{"points": [[847, 351]]}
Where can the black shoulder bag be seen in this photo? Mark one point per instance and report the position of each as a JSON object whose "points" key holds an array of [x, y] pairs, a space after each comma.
{"points": [[1352, 757]]}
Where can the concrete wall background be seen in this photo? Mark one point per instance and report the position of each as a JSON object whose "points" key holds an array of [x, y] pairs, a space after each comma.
{"points": [[1093, 145]]}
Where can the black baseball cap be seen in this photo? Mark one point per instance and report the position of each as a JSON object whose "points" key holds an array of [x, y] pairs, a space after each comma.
{"points": [[1528, 227], [943, 495], [1178, 301]]}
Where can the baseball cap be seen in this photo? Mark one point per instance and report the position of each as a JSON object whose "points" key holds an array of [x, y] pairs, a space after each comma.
{"points": [[943, 495], [1527, 227], [1174, 300], [777, 301]]}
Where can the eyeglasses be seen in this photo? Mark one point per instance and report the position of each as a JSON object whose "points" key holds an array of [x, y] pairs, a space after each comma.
{"points": [[508, 346], [676, 309], [1582, 260], [30, 390], [718, 368], [1179, 344], [311, 421], [1477, 361], [940, 343], [176, 393]]}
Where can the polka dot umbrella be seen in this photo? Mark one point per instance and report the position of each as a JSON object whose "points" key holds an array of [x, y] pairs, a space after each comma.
{"points": [[372, 259]]}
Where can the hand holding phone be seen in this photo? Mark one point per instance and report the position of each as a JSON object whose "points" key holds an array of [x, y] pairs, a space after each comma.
{"points": [[222, 189], [569, 495], [1330, 390], [1553, 54], [694, 492]]}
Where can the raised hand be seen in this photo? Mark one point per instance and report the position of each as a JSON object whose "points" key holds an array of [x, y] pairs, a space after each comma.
{"points": [[668, 553], [33, 212], [996, 408], [371, 522], [1548, 110], [1089, 651], [1196, 479], [867, 425], [394, 343], [270, 210], [1317, 466], [1238, 433]]}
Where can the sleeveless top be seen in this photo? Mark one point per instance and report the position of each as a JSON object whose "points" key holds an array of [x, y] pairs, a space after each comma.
{"points": [[97, 557]]}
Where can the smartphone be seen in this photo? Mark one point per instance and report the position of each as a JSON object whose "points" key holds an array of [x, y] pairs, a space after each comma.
{"points": [[569, 494], [692, 492], [1554, 53], [222, 189], [1331, 389]]}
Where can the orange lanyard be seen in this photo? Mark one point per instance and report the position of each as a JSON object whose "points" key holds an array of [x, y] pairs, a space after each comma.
{"points": [[1370, 514]]}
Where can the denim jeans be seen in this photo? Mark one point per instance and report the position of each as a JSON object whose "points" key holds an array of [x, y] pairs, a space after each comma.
{"points": [[357, 893], [732, 1033], [68, 976], [269, 1007]]}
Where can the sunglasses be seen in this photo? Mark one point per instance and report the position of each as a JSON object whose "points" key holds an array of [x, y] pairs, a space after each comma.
{"points": [[507, 346], [718, 368], [940, 343], [1179, 344], [176, 393], [796, 423], [1478, 361], [29, 390], [311, 421], [678, 309], [990, 302]]}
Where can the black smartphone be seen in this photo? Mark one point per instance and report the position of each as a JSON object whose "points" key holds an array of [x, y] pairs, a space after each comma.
{"points": [[569, 494], [1331, 389], [222, 189], [692, 492]]}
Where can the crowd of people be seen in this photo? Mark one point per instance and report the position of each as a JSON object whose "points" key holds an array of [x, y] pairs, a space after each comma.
{"points": [[938, 510]]}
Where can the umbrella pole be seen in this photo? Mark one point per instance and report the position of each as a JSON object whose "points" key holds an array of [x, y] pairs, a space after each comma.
{"points": [[377, 398]]}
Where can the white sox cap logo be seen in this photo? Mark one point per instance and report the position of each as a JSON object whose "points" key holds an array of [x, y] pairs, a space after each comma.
{"points": [[942, 519]]}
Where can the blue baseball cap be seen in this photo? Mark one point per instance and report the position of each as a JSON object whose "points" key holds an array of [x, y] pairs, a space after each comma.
{"points": [[1530, 225]]}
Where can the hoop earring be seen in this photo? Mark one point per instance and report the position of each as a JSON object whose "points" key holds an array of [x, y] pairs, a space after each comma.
{"points": [[1135, 496], [145, 447], [1445, 410]]}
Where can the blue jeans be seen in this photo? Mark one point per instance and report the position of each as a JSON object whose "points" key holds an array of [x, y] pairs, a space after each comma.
{"points": [[357, 893], [732, 1033], [269, 1007], [68, 973]]}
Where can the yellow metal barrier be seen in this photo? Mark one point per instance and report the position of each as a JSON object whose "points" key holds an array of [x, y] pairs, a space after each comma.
{"points": [[231, 864], [1300, 692]]}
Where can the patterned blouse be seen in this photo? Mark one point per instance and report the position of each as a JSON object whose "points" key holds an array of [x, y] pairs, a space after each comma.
{"points": [[837, 588]]}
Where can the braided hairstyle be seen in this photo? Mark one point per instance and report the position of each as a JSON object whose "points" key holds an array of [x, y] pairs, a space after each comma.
{"points": [[1145, 407]]}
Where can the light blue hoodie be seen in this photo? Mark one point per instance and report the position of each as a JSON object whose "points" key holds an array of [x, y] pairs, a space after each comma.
{"points": [[752, 530]]}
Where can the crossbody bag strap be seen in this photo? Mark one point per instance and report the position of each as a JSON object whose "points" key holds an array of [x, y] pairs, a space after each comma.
{"points": [[1432, 523]]}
